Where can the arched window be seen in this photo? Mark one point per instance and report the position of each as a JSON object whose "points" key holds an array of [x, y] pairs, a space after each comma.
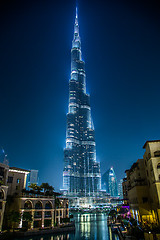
{"points": [[48, 205], [38, 205], [28, 205]]}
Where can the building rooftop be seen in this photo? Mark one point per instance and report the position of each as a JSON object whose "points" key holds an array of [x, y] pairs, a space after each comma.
{"points": [[150, 142], [15, 169]]}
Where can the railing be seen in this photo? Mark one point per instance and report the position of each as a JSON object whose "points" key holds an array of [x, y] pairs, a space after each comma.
{"points": [[32, 195]]}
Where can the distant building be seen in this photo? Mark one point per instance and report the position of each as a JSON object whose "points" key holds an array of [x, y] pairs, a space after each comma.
{"points": [[120, 189], [142, 185], [104, 181], [32, 177], [109, 182]]}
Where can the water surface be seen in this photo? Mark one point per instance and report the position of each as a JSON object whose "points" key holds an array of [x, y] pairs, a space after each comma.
{"points": [[89, 226]]}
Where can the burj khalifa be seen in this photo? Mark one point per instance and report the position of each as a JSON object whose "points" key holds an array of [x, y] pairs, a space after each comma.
{"points": [[81, 174]]}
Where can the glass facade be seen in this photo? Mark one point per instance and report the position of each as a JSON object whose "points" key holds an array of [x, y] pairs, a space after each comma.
{"points": [[81, 174], [109, 182], [32, 178]]}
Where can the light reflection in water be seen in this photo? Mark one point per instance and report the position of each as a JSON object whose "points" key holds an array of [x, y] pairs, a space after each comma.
{"points": [[92, 226], [85, 226], [89, 226], [110, 233]]}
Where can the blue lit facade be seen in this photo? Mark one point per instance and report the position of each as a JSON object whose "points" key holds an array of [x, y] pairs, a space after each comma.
{"points": [[109, 182], [81, 174], [32, 177]]}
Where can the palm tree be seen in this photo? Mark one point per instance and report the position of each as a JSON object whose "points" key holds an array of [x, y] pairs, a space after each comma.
{"points": [[35, 188], [45, 187], [48, 189]]}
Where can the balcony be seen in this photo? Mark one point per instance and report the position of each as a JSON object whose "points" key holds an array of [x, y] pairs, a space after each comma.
{"points": [[136, 183]]}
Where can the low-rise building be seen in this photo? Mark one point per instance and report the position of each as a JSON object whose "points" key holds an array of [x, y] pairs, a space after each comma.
{"points": [[46, 211], [16, 180], [120, 189], [142, 185], [3, 190], [125, 190]]}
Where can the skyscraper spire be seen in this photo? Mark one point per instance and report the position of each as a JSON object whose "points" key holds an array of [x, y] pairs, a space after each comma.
{"points": [[76, 43], [76, 14]]}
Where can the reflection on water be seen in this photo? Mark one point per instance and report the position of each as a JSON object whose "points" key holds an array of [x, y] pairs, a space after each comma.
{"points": [[93, 226], [89, 226]]}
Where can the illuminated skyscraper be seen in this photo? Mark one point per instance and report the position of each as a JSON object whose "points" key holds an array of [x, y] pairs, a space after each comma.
{"points": [[109, 182], [81, 174]]}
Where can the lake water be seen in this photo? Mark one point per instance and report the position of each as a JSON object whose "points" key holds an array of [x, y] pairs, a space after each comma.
{"points": [[89, 226]]}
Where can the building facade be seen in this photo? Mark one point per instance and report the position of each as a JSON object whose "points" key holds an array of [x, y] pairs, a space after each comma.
{"points": [[142, 185], [3, 190], [109, 182], [120, 189], [81, 174], [44, 211], [17, 178]]}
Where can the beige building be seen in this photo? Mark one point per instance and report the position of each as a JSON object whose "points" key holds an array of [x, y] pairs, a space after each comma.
{"points": [[152, 167], [142, 185], [46, 211], [3, 190], [16, 180]]}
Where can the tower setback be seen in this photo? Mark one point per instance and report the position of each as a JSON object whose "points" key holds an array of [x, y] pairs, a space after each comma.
{"points": [[81, 174]]}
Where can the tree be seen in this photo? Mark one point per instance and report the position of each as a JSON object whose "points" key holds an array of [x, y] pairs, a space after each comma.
{"points": [[35, 188], [27, 218], [14, 218], [47, 189]]}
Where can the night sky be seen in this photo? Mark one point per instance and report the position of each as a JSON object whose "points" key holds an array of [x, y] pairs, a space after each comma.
{"points": [[121, 48]]}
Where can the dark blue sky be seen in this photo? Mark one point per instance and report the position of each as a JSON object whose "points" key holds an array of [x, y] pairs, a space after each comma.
{"points": [[121, 48]]}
